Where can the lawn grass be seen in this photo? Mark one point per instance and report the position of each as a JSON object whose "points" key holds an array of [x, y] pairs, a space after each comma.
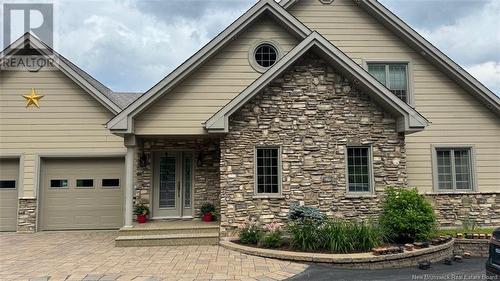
{"points": [[454, 231]]}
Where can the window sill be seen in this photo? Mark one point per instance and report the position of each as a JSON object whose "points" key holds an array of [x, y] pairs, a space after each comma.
{"points": [[360, 195], [468, 192], [268, 196]]}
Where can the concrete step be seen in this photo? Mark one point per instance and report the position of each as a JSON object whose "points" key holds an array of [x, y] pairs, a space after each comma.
{"points": [[167, 239], [165, 230]]}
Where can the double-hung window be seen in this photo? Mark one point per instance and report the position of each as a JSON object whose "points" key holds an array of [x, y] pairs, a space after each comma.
{"points": [[359, 179], [453, 168], [394, 76], [268, 171]]}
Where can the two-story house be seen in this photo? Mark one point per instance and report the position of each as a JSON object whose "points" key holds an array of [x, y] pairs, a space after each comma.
{"points": [[322, 102]]}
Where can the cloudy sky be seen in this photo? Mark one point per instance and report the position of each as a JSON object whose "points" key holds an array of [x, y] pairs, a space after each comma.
{"points": [[129, 45]]}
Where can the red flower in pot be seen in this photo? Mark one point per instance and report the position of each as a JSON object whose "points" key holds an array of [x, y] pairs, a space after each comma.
{"points": [[141, 210], [208, 212]]}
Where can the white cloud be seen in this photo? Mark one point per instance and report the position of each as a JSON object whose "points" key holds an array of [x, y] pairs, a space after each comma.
{"points": [[129, 45], [488, 73], [128, 49], [472, 39]]}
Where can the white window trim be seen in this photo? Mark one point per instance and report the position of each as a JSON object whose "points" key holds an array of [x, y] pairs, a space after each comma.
{"points": [[251, 54], [435, 178], [371, 176], [280, 167], [409, 75]]}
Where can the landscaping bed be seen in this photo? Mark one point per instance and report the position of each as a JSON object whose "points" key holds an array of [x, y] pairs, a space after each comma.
{"points": [[404, 235], [353, 260]]}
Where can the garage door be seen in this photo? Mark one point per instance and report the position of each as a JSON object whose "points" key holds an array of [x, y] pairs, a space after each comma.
{"points": [[9, 175], [82, 193]]}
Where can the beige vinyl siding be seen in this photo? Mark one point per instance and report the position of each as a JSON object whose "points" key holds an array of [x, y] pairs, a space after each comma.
{"points": [[185, 108], [456, 116], [68, 122]]}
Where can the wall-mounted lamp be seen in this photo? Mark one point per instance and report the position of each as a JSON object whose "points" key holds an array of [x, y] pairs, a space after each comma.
{"points": [[199, 159], [144, 160]]}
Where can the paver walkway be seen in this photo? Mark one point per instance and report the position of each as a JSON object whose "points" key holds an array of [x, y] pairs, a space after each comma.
{"points": [[93, 256]]}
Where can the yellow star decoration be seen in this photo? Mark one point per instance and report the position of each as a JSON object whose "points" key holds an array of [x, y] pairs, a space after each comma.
{"points": [[33, 98]]}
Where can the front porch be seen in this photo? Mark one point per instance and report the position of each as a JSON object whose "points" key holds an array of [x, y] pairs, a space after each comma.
{"points": [[169, 233], [174, 176]]}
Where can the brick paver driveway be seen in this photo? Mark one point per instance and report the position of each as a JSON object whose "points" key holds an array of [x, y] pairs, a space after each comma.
{"points": [[93, 256]]}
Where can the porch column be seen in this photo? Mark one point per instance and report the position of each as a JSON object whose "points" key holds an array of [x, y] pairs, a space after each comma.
{"points": [[130, 143]]}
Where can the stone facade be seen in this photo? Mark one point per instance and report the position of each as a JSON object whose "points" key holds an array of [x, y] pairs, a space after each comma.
{"points": [[26, 217], [206, 167], [312, 113], [452, 210]]}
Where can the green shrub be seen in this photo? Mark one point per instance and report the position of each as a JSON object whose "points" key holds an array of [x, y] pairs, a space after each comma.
{"points": [[407, 216], [341, 236], [469, 225], [273, 236], [250, 233], [336, 237], [272, 239], [367, 236], [300, 213], [304, 234]]}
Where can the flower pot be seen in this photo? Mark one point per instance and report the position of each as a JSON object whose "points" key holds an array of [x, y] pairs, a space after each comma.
{"points": [[142, 218], [207, 217]]}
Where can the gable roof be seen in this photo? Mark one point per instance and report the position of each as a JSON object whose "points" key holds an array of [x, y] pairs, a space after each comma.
{"points": [[114, 101], [124, 99], [409, 120], [425, 48], [80, 77], [123, 122]]}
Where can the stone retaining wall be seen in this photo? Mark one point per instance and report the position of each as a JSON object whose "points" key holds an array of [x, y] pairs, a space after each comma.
{"points": [[453, 209], [476, 247], [355, 261], [312, 113]]}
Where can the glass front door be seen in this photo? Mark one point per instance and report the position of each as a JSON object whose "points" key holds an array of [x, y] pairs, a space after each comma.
{"points": [[173, 185]]}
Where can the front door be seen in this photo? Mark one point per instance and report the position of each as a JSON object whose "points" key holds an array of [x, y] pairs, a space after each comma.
{"points": [[173, 185]]}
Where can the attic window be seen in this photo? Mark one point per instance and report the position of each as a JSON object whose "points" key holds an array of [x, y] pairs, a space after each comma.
{"points": [[266, 55]]}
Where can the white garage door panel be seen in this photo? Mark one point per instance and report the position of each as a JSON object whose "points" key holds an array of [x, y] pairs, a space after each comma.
{"points": [[9, 170], [75, 207]]}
